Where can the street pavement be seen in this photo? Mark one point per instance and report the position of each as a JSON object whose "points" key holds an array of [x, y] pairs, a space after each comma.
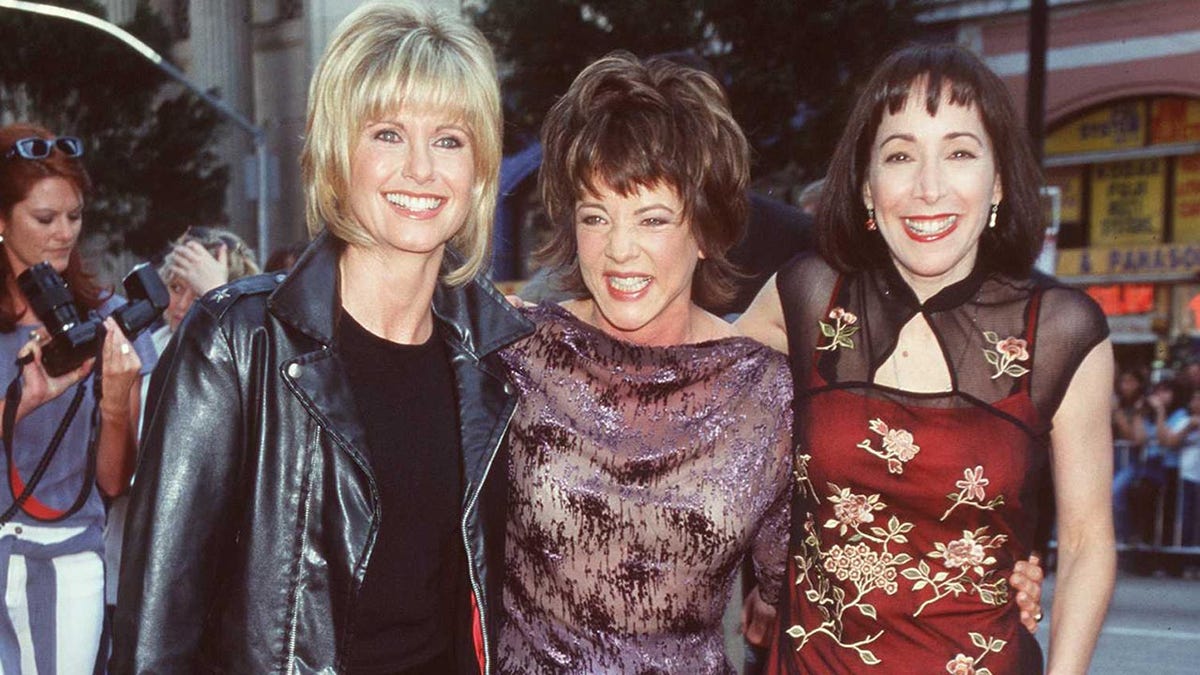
{"points": [[1153, 626]]}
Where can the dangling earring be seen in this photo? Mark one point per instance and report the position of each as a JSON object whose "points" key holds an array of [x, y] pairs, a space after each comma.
{"points": [[871, 220], [992, 217], [1, 239]]}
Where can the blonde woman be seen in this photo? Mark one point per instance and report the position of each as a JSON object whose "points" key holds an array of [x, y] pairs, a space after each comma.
{"points": [[318, 479]]}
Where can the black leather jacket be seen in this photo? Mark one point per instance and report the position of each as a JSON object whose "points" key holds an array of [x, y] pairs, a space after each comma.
{"points": [[255, 511]]}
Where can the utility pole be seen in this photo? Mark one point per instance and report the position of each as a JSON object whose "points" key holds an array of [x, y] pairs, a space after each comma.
{"points": [[256, 132], [1035, 82]]}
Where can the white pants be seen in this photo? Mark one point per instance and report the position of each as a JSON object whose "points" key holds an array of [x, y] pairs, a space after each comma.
{"points": [[54, 604]]}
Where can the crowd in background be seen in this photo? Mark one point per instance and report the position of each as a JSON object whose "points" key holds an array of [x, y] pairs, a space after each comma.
{"points": [[1156, 486]]}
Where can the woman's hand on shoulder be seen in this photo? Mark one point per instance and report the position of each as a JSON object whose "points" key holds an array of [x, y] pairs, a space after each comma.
{"points": [[39, 387]]}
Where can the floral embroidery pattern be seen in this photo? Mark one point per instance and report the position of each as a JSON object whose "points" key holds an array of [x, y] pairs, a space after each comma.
{"points": [[851, 510], [970, 557], [962, 664], [864, 562], [840, 330], [1005, 353], [898, 446], [851, 561], [970, 492]]}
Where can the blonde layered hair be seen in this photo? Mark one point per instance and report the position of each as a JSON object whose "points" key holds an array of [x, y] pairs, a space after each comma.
{"points": [[383, 58]]}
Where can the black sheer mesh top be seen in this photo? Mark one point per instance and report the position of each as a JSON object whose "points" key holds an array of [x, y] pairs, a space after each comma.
{"points": [[987, 325]]}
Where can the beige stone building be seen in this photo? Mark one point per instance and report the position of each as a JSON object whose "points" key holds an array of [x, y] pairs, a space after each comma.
{"points": [[258, 55]]}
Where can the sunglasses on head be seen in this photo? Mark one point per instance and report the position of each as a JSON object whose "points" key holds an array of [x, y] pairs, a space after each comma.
{"points": [[40, 148]]}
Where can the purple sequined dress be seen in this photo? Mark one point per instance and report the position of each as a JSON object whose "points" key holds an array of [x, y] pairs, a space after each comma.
{"points": [[639, 479]]}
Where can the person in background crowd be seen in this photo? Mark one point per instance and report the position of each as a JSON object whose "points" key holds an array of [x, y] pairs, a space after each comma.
{"points": [[1172, 423], [1167, 423], [1129, 439], [283, 258], [51, 565], [202, 259], [936, 381], [1189, 482], [320, 488]]}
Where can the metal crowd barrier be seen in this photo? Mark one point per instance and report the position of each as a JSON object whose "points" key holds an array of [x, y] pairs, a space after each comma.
{"points": [[1165, 540]]}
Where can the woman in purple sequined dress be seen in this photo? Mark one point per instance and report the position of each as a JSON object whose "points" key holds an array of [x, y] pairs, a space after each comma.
{"points": [[651, 449]]}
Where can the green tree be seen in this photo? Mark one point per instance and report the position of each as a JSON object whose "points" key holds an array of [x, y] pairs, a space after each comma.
{"points": [[147, 141], [791, 68]]}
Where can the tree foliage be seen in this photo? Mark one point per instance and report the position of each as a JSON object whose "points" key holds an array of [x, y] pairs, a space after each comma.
{"points": [[148, 142], [791, 68]]}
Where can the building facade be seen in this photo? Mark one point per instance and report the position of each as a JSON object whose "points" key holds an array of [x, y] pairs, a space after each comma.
{"points": [[258, 55], [1122, 114]]}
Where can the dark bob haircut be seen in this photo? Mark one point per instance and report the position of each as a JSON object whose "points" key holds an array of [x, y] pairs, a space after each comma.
{"points": [[944, 74], [630, 124]]}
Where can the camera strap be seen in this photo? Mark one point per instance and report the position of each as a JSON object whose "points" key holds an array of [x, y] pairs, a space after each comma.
{"points": [[22, 492]]}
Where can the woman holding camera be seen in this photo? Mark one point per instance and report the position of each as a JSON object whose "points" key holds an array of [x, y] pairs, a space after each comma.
{"points": [[51, 568]]}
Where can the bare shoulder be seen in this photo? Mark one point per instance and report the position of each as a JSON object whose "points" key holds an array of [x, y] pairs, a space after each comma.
{"points": [[709, 326]]}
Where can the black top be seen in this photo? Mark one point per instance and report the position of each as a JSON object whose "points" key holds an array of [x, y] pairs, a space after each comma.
{"points": [[968, 317], [404, 616], [915, 504]]}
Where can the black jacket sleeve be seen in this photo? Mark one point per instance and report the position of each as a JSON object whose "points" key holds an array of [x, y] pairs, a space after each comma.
{"points": [[181, 515]]}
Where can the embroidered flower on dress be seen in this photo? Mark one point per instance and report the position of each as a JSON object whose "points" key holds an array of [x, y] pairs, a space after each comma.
{"points": [[1005, 353], [840, 330], [865, 568], [851, 510], [898, 446], [973, 483], [971, 492], [854, 511], [965, 552], [961, 664]]}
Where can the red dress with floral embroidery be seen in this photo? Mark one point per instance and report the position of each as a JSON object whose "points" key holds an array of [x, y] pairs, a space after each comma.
{"points": [[912, 508]]}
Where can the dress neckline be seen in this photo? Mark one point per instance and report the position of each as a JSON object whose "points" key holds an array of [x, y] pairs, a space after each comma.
{"points": [[889, 281], [566, 316]]}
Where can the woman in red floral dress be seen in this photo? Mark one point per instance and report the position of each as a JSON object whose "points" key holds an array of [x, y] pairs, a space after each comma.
{"points": [[938, 381]]}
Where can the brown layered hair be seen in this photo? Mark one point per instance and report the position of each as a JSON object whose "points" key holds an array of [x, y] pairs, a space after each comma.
{"points": [[943, 74], [629, 124], [17, 178]]}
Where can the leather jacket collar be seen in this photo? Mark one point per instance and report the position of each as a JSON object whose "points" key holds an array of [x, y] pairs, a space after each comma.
{"points": [[308, 300]]}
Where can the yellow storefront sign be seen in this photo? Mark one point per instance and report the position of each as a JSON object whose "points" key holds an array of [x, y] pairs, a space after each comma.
{"points": [[1116, 127], [1069, 181], [1143, 262], [1174, 120], [1187, 198], [1127, 202]]}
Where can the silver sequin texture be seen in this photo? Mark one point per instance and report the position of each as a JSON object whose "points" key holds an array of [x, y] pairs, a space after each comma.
{"points": [[639, 479]]}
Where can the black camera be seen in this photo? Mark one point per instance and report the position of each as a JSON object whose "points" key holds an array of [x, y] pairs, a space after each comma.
{"points": [[74, 338]]}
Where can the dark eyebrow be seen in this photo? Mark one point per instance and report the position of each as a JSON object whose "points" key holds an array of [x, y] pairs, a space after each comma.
{"points": [[954, 135], [652, 207], [949, 137], [897, 137]]}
